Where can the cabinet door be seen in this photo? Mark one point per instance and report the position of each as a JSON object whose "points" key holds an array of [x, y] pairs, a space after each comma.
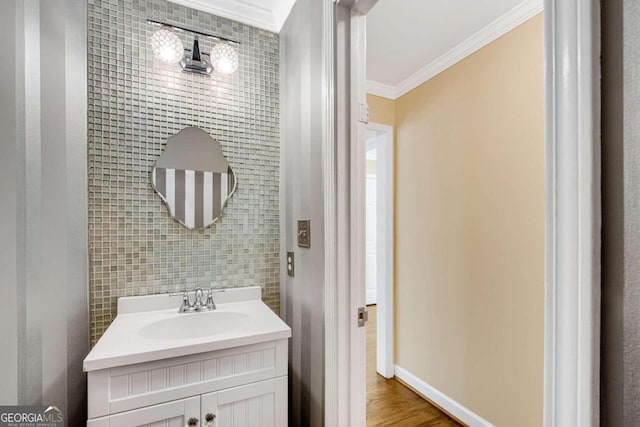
{"points": [[262, 404], [171, 414]]}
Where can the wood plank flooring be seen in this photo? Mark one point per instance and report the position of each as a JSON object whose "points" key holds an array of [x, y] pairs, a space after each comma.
{"points": [[389, 402]]}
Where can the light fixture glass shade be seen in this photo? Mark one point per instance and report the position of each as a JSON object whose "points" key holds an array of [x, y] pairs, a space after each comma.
{"points": [[167, 46], [224, 58]]}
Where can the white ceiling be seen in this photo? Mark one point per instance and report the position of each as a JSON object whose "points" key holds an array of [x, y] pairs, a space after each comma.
{"points": [[406, 36], [266, 14]]}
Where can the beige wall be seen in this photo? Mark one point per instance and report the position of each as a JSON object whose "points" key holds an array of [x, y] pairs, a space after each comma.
{"points": [[470, 229], [381, 110]]}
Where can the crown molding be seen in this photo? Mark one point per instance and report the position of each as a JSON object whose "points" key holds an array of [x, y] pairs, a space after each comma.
{"points": [[361, 6], [281, 12], [245, 12], [507, 22], [381, 89]]}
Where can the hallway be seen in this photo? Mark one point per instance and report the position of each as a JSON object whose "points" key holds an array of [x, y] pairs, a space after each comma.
{"points": [[389, 402]]}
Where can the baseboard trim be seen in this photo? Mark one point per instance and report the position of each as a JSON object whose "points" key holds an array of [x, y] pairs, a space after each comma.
{"points": [[441, 400]]}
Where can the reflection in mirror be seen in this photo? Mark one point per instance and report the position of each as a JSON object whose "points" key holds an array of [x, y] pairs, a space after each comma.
{"points": [[193, 178]]}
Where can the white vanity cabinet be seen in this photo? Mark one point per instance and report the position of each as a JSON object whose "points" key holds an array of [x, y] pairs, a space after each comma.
{"points": [[242, 387], [261, 404], [232, 365]]}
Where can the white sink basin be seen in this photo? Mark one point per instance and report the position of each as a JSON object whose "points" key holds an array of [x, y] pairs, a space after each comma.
{"points": [[150, 328], [196, 325]]}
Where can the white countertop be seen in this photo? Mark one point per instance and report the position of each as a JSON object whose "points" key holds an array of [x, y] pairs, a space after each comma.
{"points": [[125, 341]]}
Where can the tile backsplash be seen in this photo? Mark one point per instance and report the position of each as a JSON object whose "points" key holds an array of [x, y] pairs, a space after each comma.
{"points": [[135, 104]]}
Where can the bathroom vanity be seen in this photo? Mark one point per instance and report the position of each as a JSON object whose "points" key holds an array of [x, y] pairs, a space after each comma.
{"points": [[158, 367]]}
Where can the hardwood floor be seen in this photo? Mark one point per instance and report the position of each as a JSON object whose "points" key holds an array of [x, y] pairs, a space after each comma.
{"points": [[390, 403]]}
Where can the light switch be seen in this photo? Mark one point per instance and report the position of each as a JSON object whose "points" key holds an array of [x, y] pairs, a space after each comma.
{"points": [[304, 233]]}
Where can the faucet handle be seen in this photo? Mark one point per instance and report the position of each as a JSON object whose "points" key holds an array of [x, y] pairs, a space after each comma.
{"points": [[186, 305], [210, 304]]}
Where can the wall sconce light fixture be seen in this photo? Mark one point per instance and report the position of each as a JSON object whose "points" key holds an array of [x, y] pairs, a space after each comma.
{"points": [[167, 47]]}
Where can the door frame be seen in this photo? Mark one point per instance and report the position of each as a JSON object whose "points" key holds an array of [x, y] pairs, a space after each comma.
{"points": [[572, 216], [385, 252], [573, 213]]}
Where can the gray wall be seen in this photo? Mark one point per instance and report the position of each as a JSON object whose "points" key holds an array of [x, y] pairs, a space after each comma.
{"points": [[135, 104], [620, 358], [301, 55], [43, 237], [9, 159]]}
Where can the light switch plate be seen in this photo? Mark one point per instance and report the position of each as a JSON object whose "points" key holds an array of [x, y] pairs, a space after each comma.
{"points": [[304, 233]]}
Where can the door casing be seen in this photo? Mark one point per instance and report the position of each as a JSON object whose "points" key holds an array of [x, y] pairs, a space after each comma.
{"points": [[572, 248]]}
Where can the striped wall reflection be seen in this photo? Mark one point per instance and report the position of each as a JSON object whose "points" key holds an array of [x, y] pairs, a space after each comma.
{"points": [[194, 198]]}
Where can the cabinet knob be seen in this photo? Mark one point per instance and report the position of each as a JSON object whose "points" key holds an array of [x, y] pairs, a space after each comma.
{"points": [[210, 419], [193, 422]]}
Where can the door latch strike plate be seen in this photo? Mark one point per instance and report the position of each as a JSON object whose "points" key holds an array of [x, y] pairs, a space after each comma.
{"points": [[363, 316]]}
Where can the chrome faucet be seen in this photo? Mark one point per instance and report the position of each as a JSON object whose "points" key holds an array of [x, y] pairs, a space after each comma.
{"points": [[198, 304]]}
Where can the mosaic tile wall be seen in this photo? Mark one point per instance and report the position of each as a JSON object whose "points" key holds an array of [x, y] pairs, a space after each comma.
{"points": [[135, 103]]}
